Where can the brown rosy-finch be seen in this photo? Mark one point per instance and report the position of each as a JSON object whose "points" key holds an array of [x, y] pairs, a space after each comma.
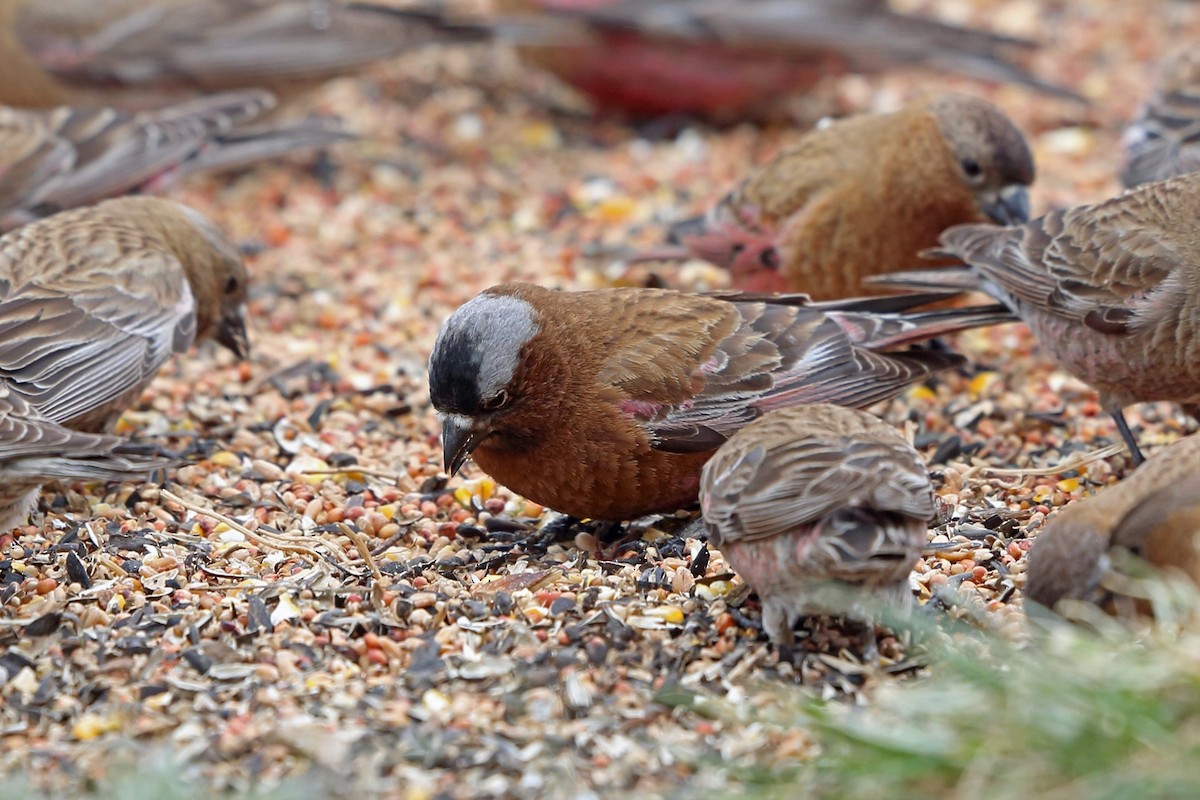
{"points": [[730, 60], [816, 495], [1110, 290], [865, 193], [1154, 513], [606, 404], [64, 157]]}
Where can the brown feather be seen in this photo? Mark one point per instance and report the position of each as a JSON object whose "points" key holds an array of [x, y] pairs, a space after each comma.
{"points": [[1111, 290], [1143, 513], [93, 301], [617, 397], [862, 195], [814, 494], [147, 53]]}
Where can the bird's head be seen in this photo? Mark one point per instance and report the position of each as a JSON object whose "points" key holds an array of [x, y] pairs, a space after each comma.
{"points": [[475, 375], [177, 236], [993, 157], [217, 275]]}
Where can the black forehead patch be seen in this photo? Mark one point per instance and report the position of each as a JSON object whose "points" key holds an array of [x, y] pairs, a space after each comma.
{"points": [[453, 373], [478, 351]]}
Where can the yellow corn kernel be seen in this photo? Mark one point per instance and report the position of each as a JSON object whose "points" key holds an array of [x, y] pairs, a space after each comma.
{"points": [[1068, 484], [921, 393], [89, 726], [225, 458], [980, 383], [616, 209], [672, 615]]}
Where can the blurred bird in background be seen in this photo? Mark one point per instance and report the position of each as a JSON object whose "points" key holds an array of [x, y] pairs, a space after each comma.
{"points": [[65, 157], [852, 198], [147, 53], [1164, 140], [727, 61], [730, 61], [1111, 290], [1154, 513]]}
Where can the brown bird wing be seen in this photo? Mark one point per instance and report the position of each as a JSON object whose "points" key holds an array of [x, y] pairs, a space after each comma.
{"points": [[793, 479], [33, 446], [865, 31], [71, 344], [852, 353], [696, 369], [1164, 141], [1099, 263], [31, 155], [219, 43], [662, 339], [117, 152], [24, 433]]}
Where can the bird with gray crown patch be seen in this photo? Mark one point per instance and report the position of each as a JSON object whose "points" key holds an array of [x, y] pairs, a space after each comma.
{"points": [[606, 404]]}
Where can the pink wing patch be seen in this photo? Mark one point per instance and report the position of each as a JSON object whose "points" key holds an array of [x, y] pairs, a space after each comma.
{"points": [[641, 409], [646, 410]]}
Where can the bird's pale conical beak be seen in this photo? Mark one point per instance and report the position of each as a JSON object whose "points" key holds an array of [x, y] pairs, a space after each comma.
{"points": [[231, 333], [459, 438], [1009, 206]]}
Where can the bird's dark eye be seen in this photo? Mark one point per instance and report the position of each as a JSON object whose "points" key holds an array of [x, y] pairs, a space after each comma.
{"points": [[497, 401], [231, 285], [971, 168]]}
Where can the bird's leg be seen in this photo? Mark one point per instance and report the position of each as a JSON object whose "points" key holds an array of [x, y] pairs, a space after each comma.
{"points": [[613, 537], [324, 169], [1123, 427], [556, 530], [870, 647], [615, 532], [789, 650], [744, 620]]}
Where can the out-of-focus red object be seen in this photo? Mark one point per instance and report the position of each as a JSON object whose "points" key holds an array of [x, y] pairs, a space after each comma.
{"points": [[729, 59]]}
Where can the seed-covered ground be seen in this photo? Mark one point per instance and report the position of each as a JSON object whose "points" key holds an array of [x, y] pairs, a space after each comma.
{"points": [[310, 599]]}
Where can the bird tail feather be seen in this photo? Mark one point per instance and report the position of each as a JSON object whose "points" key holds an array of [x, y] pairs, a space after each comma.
{"points": [[949, 280], [249, 145]]}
